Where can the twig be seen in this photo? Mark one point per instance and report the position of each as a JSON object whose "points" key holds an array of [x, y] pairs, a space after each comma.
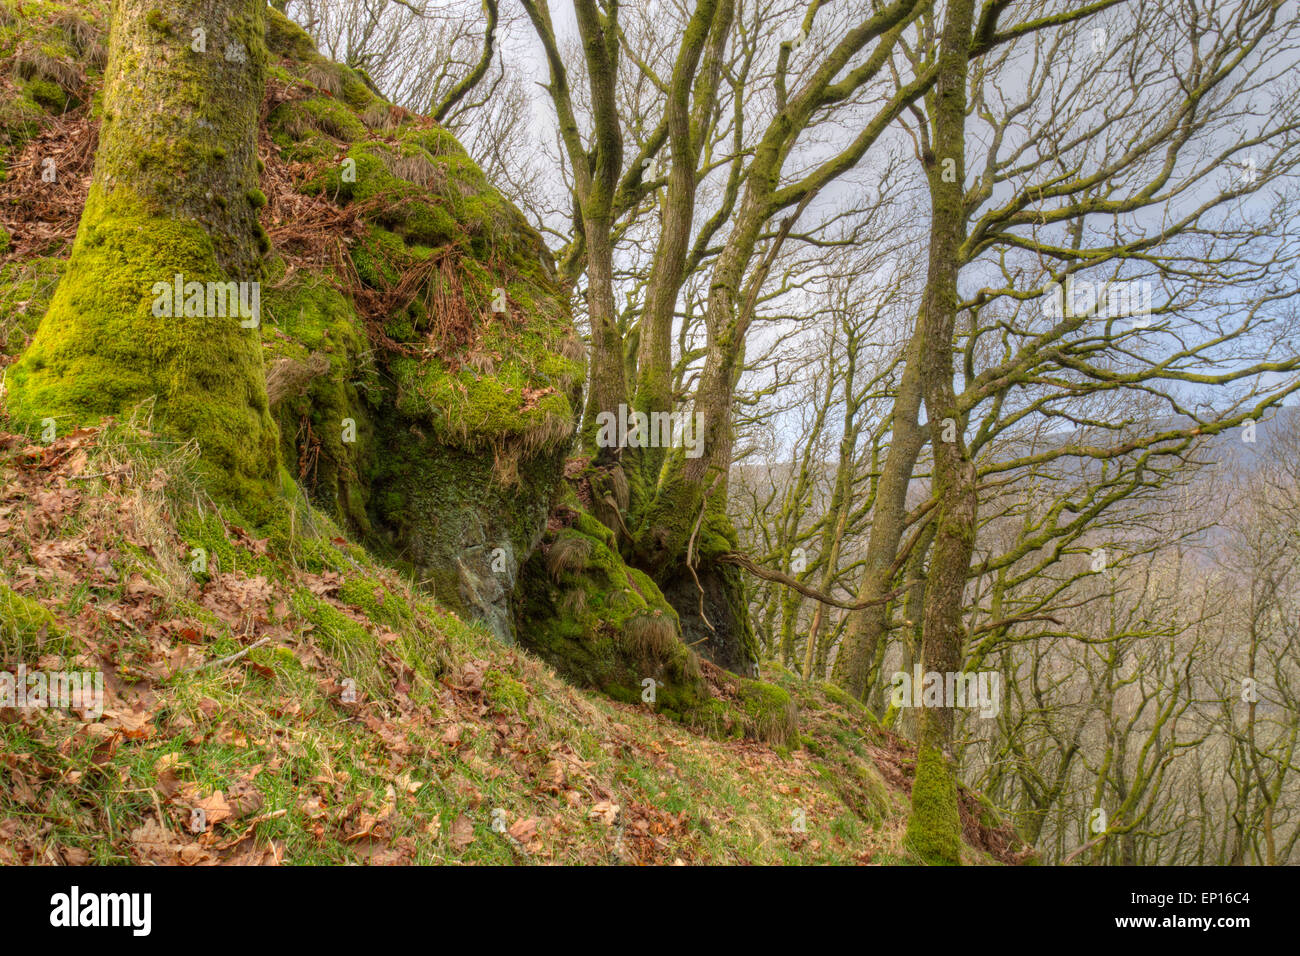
{"points": [[221, 661], [1087, 846], [767, 574]]}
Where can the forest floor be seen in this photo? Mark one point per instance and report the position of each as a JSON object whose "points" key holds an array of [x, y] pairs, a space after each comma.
{"points": [[298, 703]]}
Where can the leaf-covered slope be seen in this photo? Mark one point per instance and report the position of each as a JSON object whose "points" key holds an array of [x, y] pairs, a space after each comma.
{"points": [[227, 690]]}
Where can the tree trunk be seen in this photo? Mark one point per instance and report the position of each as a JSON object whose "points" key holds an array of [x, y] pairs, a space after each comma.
{"points": [[934, 827], [174, 194], [608, 364], [866, 628]]}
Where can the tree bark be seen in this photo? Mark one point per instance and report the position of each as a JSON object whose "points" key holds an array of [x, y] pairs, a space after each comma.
{"points": [[934, 826], [174, 193]]}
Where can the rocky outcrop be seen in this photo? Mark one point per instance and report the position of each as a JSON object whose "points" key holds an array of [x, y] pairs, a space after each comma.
{"points": [[437, 432]]}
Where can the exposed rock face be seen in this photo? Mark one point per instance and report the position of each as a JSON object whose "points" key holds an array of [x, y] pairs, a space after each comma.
{"points": [[461, 529]]}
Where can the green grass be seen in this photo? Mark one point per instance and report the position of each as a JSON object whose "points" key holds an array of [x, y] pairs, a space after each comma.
{"points": [[449, 725]]}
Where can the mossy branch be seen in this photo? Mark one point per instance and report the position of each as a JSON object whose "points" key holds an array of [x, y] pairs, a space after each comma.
{"points": [[461, 89], [742, 560]]}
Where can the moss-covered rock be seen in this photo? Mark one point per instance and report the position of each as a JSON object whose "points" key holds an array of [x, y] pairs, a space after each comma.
{"points": [[603, 624], [433, 398], [422, 387]]}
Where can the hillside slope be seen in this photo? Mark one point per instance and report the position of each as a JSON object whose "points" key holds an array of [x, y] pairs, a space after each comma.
{"points": [[227, 690]]}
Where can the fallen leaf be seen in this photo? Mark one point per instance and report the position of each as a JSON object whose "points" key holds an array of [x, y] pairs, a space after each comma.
{"points": [[462, 832]]}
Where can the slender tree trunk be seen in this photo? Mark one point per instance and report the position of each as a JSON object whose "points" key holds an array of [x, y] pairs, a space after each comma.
{"points": [[934, 827], [174, 194], [608, 369], [866, 628], [833, 537]]}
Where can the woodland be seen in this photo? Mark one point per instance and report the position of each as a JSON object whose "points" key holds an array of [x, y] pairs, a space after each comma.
{"points": [[658, 432]]}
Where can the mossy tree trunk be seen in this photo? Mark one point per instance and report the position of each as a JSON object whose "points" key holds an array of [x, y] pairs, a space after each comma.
{"points": [[934, 826], [669, 496], [174, 193]]}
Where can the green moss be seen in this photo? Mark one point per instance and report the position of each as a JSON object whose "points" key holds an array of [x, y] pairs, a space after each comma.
{"points": [[605, 625], [358, 649], [27, 629], [101, 351], [934, 826], [769, 712], [345, 640], [461, 414], [450, 517], [26, 287], [843, 698], [306, 317], [21, 118], [437, 142], [207, 530], [297, 119], [504, 693], [377, 602], [286, 39], [356, 92], [760, 711], [990, 816], [46, 94], [376, 257], [474, 410]]}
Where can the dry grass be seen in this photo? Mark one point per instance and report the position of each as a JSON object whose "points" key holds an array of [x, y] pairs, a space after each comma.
{"points": [[567, 556], [650, 637], [86, 38], [574, 603], [549, 431], [415, 168], [570, 347], [378, 116], [287, 377], [324, 77], [30, 62]]}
